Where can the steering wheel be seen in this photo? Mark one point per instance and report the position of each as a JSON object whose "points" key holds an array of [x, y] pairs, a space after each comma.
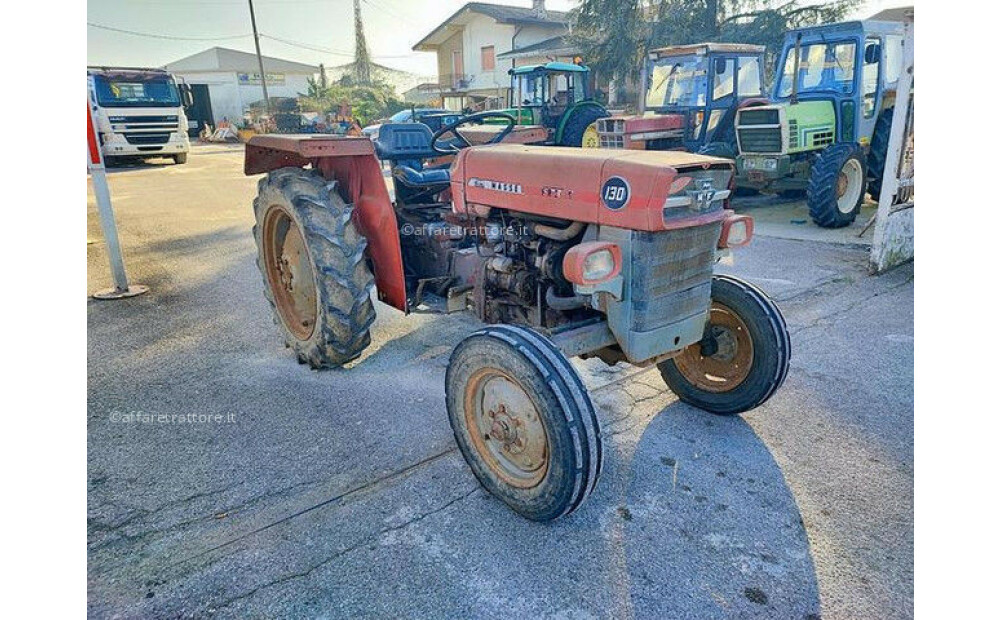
{"points": [[451, 148]]}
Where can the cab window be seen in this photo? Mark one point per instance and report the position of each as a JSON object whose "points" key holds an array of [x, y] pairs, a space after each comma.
{"points": [[893, 58], [748, 77], [822, 67], [869, 78], [722, 83]]}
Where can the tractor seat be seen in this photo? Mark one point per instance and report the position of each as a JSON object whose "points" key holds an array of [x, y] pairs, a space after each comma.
{"points": [[421, 178], [404, 141]]}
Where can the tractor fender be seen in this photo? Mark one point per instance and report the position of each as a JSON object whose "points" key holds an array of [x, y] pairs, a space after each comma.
{"points": [[569, 114], [352, 164]]}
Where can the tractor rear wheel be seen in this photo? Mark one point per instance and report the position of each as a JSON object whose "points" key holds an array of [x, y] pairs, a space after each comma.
{"points": [[579, 121], [878, 152], [523, 421], [836, 185], [312, 259], [744, 358]]}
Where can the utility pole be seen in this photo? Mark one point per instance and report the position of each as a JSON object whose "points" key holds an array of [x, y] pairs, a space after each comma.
{"points": [[260, 59]]}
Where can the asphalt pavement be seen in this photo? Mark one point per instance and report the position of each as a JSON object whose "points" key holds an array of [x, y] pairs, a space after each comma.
{"points": [[227, 480]]}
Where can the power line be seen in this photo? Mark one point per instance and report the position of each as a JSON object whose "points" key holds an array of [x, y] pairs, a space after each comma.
{"points": [[307, 46], [163, 36]]}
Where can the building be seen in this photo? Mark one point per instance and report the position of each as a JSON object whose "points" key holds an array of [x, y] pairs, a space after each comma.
{"points": [[225, 82], [478, 44]]}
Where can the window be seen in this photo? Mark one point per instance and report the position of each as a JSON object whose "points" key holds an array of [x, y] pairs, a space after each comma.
{"points": [[136, 91], [893, 58], [822, 67], [489, 58], [748, 78], [869, 79], [678, 81], [722, 83]]}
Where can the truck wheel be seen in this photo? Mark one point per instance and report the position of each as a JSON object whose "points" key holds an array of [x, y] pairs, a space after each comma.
{"points": [[878, 152], [578, 123], [312, 259], [836, 185], [523, 421], [744, 358], [180, 158]]}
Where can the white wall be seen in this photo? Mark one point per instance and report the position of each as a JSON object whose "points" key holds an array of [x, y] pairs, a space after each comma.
{"points": [[230, 99], [480, 32]]}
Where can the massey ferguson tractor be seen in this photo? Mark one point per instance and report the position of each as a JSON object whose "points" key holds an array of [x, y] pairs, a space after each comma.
{"points": [[692, 93], [826, 131], [559, 251]]}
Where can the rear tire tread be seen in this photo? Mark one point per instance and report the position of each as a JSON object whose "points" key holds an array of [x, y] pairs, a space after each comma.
{"points": [[343, 281]]}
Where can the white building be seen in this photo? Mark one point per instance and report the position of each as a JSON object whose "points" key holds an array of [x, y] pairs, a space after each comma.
{"points": [[225, 82], [478, 44]]}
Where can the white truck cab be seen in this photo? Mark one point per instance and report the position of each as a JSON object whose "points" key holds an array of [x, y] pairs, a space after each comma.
{"points": [[139, 113]]}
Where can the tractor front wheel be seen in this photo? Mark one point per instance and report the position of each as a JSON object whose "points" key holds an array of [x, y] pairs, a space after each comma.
{"points": [[312, 259], [743, 358], [836, 185], [523, 421]]}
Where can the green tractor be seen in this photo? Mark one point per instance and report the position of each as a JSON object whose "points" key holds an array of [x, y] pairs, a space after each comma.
{"points": [[826, 131], [556, 96]]}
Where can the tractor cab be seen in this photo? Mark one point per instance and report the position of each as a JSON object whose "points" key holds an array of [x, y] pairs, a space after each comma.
{"points": [[556, 96], [692, 93], [835, 85]]}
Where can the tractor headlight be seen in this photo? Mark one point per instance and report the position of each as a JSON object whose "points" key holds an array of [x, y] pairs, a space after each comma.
{"points": [[737, 230], [598, 266], [592, 262]]}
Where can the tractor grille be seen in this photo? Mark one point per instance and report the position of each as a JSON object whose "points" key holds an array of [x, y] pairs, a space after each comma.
{"points": [[611, 133], [752, 116], [760, 139], [671, 275], [147, 138], [793, 134]]}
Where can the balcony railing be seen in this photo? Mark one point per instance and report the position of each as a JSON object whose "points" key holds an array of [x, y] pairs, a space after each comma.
{"points": [[455, 81]]}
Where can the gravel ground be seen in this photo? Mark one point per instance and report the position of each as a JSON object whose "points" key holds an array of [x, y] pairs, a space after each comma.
{"points": [[276, 491]]}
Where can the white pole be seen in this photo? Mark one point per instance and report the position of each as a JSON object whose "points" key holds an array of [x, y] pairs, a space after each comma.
{"points": [[99, 179]]}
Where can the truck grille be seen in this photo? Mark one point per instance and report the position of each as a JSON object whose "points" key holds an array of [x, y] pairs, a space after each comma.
{"points": [[671, 275], [147, 138], [760, 139]]}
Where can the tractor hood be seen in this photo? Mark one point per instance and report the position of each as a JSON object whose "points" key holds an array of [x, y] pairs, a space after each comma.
{"points": [[786, 127], [627, 189]]}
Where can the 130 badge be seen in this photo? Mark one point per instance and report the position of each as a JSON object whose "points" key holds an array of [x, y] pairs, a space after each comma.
{"points": [[615, 193]]}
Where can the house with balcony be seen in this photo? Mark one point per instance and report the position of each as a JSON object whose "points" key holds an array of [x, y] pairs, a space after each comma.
{"points": [[480, 42]]}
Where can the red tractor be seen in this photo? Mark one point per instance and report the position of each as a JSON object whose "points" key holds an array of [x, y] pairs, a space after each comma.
{"points": [[560, 251]]}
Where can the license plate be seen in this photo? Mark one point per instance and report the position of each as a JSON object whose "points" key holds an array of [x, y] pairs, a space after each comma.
{"points": [[769, 164]]}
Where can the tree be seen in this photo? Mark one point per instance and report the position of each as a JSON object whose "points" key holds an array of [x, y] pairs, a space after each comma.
{"points": [[616, 34]]}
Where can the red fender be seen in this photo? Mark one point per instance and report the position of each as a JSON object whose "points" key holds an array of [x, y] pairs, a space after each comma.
{"points": [[352, 163]]}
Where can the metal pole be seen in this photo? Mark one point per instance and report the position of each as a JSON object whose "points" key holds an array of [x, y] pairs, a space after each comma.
{"points": [[95, 162], [260, 59]]}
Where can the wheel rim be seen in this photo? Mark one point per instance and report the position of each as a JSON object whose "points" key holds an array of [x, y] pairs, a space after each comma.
{"points": [[849, 184], [506, 429], [730, 365], [289, 272], [591, 139]]}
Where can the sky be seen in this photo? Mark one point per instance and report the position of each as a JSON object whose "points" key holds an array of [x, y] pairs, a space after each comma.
{"points": [[324, 27]]}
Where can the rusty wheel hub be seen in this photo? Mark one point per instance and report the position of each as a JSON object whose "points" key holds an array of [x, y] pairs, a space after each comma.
{"points": [[729, 365], [289, 272], [506, 429]]}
